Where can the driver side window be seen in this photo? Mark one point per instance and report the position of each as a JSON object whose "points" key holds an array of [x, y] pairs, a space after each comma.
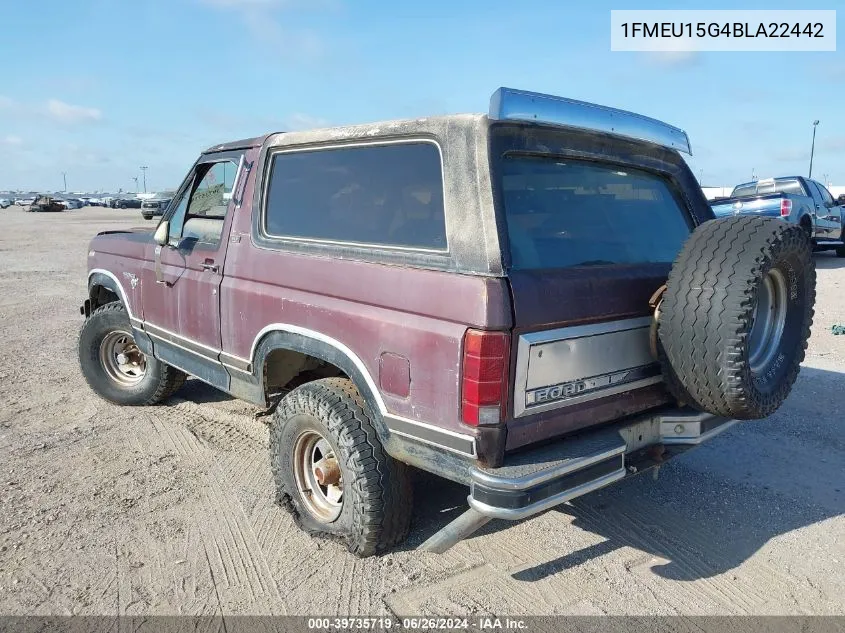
{"points": [[827, 199], [200, 213]]}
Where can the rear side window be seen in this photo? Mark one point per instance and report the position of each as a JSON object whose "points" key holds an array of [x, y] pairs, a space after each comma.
{"points": [[563, 213], [387, 194]]}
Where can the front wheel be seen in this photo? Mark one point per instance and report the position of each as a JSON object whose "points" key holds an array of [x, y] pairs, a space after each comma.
{"points": [[332, 472], [115, 368]]}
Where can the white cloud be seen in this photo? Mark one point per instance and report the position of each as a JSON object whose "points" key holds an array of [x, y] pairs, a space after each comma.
{"points": [[67, 113], [11, 140], [242, 4], [674, 59], [263, 23], [6, 102], [302, 121], [833, 144]]}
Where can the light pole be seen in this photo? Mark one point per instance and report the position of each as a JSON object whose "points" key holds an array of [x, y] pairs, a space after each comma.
{"points": [[813, 147], [144, 169], [64, 177], [135, 178]]}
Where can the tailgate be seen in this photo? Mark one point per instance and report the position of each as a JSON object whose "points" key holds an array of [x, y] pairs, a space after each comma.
{"points": [[590, 238], [768, 205], [595, 342]]}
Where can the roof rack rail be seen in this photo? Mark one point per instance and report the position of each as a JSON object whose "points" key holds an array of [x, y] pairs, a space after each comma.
{"points": [[508, 104]]}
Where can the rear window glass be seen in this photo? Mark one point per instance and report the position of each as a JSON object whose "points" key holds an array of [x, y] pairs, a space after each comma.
{"points": [[388, 195], [768, 186], [563, 213]]}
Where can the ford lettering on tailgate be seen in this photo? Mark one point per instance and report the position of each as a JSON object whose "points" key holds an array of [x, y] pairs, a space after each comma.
{"points": [[582, 387]]}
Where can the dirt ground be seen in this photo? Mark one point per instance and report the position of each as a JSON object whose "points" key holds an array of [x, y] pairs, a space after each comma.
{"points": [[168, 509]]}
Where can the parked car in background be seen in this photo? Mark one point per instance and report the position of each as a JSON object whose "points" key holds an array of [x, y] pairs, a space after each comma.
{"points": [[794, 199], [45, 204], [5, 203], [154, 207], [126, 203], [24, 202], [73, 203]]}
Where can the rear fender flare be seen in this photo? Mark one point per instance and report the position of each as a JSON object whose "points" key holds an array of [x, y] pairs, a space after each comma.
{"points": [[806, 216], [327, 350]]}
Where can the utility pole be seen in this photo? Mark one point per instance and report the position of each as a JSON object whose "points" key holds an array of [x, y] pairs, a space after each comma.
{"points": [[135, 178], [700, 177], [144, 169], [64, 176], [813, 147], [753, 175]]}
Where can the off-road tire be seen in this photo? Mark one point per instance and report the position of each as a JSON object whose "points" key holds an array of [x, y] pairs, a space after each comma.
{"points": [[708, 310], [377, 495], [159, 382]]}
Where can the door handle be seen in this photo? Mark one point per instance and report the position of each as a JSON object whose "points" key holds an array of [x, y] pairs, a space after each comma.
{"points": [[209, 267]]}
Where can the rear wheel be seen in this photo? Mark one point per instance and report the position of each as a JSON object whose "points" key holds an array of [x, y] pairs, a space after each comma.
{"points": [[807, 227], [736, 316], [332, 472], [113, 365]]}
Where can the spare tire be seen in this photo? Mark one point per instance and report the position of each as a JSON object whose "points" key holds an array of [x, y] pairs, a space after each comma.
{"points": [[735, 318]]}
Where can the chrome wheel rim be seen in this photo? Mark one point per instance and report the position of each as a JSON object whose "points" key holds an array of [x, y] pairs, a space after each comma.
{"points": [[318, 476], [124, 363], [769, 320]]}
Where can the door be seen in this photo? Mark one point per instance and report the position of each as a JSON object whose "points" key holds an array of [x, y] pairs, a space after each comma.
{"points": [[182, 279], [821, 212], [829, 214]]}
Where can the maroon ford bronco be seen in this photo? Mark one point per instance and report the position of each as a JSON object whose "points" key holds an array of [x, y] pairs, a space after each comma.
{"points": [[535, 303]]}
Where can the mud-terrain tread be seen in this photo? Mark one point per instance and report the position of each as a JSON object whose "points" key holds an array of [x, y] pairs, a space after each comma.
{"points": [[382, 503], [171, 379], [708, 307]]}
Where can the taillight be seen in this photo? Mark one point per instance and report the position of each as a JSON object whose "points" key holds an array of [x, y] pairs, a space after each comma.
{"points": [[785, 207], [484, 377]]}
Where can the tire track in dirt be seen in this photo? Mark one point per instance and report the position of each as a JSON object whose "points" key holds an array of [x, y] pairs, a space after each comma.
{"points": [[235, 559]]}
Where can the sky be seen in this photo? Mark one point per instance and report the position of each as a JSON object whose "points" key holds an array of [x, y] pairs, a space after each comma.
{"points": [[98, 88]]}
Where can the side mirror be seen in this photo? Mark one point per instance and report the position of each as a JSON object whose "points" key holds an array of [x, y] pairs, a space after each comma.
{"points": [[162, 234], [841, 199]]}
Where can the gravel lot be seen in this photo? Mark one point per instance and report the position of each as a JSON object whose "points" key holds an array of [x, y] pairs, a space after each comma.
{"points": [[168, 510]]}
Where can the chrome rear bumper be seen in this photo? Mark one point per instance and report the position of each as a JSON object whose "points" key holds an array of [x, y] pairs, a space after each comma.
{"points": [[533, 481]]}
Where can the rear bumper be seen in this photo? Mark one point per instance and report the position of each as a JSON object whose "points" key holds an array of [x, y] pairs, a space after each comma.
{"points": [[535, 480]]}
